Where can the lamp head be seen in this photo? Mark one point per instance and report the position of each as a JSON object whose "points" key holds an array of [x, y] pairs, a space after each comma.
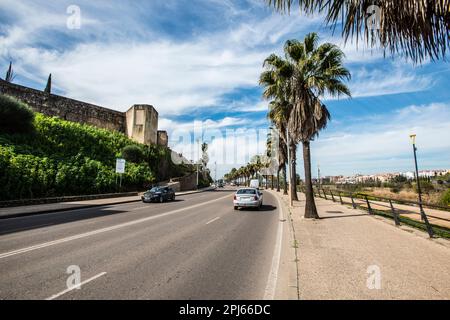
{"points": [[413, 138]]}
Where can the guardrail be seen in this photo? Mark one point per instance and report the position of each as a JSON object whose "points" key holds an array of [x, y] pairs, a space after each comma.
{"points": [[401, 211]]}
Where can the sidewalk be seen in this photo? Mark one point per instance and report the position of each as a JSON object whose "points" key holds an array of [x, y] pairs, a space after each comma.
{"points": [[338, 253], [13, 212]]}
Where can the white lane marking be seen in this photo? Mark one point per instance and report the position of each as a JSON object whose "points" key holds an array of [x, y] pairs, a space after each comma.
{"points": [[94, 232], [211, 221], [271, 286], [75, 287]]}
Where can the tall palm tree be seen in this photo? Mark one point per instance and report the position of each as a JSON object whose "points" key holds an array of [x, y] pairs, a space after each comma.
{"points": [[269, 154], [318, 70], [279, 114], [419, 29], [277, 86]]}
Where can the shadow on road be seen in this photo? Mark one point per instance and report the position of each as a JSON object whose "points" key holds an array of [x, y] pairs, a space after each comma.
{"points": [[19, 224], [8, 226], [265, 207], [170, 201]]}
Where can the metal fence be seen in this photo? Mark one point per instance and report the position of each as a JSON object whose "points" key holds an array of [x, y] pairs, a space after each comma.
{"points": [[432, 218]]}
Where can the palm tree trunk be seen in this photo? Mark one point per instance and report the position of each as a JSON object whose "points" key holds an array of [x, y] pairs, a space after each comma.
{"points": [[310, 206], [278, 178], [293, 171], [285, 180]]}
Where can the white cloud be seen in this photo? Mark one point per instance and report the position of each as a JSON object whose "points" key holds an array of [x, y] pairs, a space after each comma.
{"points": [[382, 144], [246, 105], [170, 125], [117, 72], [376, 82]]}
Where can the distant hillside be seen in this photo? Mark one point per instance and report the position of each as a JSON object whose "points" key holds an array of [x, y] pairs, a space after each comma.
{"points": [[58, 157]]}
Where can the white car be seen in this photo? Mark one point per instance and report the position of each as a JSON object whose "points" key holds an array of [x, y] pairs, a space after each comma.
{"points": [[248, 198]]}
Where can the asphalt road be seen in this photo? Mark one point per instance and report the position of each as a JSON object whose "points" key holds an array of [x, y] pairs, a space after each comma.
{"points": [[197, 247]]}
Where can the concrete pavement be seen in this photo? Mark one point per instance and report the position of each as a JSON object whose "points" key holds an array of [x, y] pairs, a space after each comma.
{"points": [[340, 254], [197, 247]]}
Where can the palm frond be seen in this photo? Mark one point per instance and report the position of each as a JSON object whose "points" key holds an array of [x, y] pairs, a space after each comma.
{"points": [[418, 29]]}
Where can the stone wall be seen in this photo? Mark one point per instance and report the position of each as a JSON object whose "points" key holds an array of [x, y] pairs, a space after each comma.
{"points": [[140, 122], [187, 183], [65, 108], [163, 138]]}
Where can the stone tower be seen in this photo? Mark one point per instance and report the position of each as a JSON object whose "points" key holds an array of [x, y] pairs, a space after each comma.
{"points": [[142, 124]]}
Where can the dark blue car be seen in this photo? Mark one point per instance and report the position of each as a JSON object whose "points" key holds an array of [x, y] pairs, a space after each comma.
{"points": [[159, 194]]}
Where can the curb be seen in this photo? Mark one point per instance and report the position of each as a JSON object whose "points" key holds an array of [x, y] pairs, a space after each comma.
{"points": [[293, 248], [87, 206]]}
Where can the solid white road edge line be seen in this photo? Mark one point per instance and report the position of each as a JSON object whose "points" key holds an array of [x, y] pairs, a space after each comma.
{"points": [[211, 221], [118, 226], [75, 287], [271, 286]]}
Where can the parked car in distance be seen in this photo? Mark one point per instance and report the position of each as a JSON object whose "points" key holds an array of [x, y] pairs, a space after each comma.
{"points": [[158, 194], [248, 198]]}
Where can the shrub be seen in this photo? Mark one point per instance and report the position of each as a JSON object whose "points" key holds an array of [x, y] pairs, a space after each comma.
{"points": [[67, 158], [425, 186], [15, 116], [445, 198], [133, 153]]}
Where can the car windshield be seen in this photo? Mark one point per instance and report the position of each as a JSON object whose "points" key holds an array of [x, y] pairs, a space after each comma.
{"points": [[246, 191], [155, 189]]}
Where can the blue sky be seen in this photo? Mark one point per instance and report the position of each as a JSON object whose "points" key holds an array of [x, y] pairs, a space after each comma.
{"points": [[200, 61]]}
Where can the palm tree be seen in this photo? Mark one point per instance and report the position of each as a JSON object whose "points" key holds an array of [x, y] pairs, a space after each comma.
{"points": [[278, 113], [318, 70], [269, 154], [277, 85], [419, 29]]}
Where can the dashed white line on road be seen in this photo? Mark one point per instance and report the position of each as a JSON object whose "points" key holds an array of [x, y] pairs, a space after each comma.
{"points": [[94, 232], [271, 286], [211, 221], [75, 287]]}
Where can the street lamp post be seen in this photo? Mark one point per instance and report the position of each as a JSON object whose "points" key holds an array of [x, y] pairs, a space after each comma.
{"points": [[422, 212], [198, 157], [413, 140], [288, 170], [318, 176]]}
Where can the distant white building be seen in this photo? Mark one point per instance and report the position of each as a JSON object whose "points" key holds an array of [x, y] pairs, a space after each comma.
{"points": [[383, 177], [408, 174]]}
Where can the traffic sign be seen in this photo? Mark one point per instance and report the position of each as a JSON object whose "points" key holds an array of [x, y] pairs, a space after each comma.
{"points": [[120, 165]]}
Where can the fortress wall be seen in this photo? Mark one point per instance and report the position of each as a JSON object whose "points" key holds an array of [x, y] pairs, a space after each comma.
{"points": [[65, 108]]}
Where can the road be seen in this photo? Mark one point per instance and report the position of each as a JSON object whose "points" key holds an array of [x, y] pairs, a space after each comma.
{"points": [[197, 247]]}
